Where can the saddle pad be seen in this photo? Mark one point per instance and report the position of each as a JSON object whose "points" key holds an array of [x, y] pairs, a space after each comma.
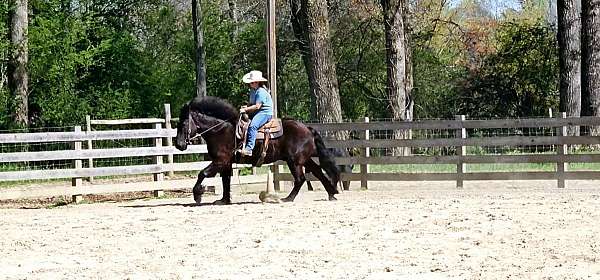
{"points": [[274, 126]]}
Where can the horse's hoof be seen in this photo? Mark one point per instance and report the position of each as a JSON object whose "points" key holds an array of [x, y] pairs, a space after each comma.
{"points": [[221, 202], [287, 199], [332, 198], [198, 190], [198, 198]]}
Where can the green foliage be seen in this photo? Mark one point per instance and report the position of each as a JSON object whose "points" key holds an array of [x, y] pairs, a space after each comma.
{"points": [[80, 66], [231, 56], [436, 83], [520, 79], [124, 59], [4, 48], [293, 89], [361, 67]]}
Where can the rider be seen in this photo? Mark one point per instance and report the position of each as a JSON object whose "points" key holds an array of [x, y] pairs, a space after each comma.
{"points": [[260, 108]]}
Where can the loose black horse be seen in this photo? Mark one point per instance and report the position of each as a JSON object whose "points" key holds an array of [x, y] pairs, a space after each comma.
{"points": [[215, 120]]}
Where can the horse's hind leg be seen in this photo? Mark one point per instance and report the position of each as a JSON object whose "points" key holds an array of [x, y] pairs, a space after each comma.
{"points": [[315, 169], [299, 179]]}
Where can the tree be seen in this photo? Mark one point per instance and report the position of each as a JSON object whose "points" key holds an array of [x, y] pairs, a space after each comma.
{"points": [[520, 79], [4, 39], [200, 57], [569, 28], [18, 76], [399, 64], [311, 26], [232, 13], [591, 59], [300, 25]]}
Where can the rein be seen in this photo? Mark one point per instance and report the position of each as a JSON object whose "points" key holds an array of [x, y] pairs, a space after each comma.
{"points": [[189, 141]]}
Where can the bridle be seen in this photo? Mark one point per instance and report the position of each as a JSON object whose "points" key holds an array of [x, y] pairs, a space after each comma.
{"points": [[190, 119]]}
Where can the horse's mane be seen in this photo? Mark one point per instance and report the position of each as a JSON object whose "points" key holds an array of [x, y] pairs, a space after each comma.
{"points": [[215, 107]]}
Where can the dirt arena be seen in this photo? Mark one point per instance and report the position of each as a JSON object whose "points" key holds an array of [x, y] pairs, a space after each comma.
{"points": [[428, 230]]}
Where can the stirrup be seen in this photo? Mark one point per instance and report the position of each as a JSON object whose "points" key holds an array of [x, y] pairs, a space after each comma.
{"points": [[244, 152]]}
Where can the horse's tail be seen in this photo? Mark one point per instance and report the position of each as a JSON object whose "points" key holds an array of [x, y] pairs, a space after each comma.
{"points": [[326, 159]]}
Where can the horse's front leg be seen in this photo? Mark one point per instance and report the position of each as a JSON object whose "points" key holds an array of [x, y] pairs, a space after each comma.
{"points": [[226, 173], [198, 190]]}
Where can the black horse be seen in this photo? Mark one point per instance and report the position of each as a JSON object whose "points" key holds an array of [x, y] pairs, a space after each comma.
{"points": [[215, 120]]}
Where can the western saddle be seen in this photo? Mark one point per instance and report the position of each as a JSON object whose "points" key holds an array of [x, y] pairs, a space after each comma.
{"points": [[271, 130]]}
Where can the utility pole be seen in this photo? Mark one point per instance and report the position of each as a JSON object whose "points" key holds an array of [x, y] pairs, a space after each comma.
{"points": [[272, 184], [272, 53]]}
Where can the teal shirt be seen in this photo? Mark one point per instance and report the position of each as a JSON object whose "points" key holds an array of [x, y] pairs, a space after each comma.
{"points": [[261, 95]]}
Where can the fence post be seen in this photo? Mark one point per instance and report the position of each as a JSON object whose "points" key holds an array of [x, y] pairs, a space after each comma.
{"points": [[275, 177], [158, 160], [461, 151], [562, 150], [88, 129], [77, 182], [364, 168], [169, 138]]}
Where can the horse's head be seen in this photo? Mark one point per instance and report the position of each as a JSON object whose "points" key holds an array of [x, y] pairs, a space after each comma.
{"points": [[206, 114], [186, 128]]}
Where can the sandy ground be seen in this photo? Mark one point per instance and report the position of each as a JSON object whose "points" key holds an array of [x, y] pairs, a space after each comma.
{"points": [[393, 231]]}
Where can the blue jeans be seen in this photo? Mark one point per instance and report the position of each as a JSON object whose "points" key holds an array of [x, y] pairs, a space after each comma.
{"points": [[257, 121]]}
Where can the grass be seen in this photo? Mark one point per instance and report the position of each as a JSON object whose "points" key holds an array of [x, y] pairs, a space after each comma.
{"points": [[57, 204], [488, 167], [10, 184]]}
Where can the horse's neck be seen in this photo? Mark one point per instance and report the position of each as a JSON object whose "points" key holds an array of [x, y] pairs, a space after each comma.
{"points": [[217, 134], [204, 122]]}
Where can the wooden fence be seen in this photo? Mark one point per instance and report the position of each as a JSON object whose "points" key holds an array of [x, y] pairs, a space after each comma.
{"points": [[162, 153], [559, 140], [82, 153]]}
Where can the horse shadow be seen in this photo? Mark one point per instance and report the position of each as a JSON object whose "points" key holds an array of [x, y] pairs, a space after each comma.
{"points": [[193, 204]]}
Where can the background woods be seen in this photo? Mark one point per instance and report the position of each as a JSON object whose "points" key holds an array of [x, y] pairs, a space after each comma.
{"points": [[337, 59]]}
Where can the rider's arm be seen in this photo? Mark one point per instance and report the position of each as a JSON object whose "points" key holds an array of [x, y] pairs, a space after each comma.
{"points": [[254, 107], [260, 98]]}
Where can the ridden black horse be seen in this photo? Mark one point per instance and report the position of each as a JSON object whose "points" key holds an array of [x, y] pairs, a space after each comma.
{"points": [[215, 120]]}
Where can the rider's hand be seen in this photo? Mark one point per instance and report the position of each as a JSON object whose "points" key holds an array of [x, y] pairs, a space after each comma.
{"points": [[243, 110]]}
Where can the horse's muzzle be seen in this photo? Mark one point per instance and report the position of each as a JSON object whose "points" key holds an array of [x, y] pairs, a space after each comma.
{"points": [[181, 145]]}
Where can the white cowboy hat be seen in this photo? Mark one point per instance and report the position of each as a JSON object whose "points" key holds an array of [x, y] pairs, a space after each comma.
{"points": [[253, 76]]}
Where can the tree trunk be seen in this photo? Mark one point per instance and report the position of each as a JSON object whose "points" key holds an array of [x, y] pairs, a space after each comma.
{"points": [[299, 25], [3, 75], [569, 28], [232, 12], [200, 58], [312, 22], [590, 62], [399, 66], [17, 76]]}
